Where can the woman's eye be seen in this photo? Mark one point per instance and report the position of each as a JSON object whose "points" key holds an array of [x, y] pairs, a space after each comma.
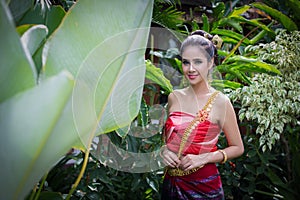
{"points": [[198, 62], [185, 62]]}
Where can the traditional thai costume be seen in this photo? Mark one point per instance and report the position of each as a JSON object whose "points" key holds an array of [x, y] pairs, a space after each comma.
{"points": [[189, 134]]}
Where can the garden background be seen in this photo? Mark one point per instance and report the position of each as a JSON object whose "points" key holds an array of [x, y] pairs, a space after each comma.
{"points": [[84, 86]]}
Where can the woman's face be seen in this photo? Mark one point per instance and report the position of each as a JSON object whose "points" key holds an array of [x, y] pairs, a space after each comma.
{"points": [[195, 64]]}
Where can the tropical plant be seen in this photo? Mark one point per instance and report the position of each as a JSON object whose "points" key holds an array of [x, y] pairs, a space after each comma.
{"points": [[273, 103], [278, 95], [237, 31], [240, 66], [44, 113], [104, 180], [256, 174]]}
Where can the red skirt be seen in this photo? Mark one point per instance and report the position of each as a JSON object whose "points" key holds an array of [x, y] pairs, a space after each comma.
{"points": [[205, 183]]}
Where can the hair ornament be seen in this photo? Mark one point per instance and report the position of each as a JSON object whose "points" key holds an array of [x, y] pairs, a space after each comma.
{"points": [[217, 41], [206, 36]]}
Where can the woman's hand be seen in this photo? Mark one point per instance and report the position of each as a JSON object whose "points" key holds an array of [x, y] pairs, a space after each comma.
{"points": [[169, 157], [191, 161]]}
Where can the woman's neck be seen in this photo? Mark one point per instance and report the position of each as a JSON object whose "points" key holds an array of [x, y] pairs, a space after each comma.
{"points": [[201, 89]]}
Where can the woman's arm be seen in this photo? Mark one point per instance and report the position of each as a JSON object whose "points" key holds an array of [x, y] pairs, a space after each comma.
{"points": [[169, 157], [231, 130]]}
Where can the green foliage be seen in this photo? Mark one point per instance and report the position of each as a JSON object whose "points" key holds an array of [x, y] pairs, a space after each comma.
{"points": [[102, 178], [155, 74], [100, 181], [283, 19], [19, 8], [17, 74], [284, 52], [45, 113], [273, 104], [169, 18], [238, 32], [51, 17], [256, 175], [273, 101]]}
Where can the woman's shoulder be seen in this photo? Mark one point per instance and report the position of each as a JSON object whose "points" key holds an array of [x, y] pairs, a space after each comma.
{"points": [[182, 91], [178, 93], [221, 95], [222, 99], [175, 97]]}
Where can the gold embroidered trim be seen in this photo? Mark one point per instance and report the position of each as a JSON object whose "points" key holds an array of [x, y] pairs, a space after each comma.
{"points": [[201, 116]]}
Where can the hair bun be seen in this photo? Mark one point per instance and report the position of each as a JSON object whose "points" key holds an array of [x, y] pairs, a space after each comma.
{"points": [[203, 34], [216, 40]]}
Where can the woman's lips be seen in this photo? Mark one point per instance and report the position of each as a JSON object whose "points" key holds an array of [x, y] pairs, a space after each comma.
{"points": [[192, 76]]}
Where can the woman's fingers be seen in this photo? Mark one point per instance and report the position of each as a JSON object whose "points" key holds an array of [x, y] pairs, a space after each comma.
{"points": [[170, 158], [186, 162], [191, 161]]}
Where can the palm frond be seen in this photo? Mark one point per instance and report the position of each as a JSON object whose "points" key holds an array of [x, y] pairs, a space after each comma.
{"points": [[170, 17]]}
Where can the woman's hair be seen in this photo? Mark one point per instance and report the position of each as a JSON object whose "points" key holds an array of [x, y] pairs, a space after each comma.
{"points": [[202, 39]]}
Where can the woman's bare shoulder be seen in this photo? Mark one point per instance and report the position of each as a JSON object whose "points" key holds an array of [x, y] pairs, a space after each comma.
{"points": [[178, 93], [175, 98], [222, 101], [182, 91]]}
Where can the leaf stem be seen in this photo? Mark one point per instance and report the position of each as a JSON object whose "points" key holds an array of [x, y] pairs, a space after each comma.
{"points": [[85, 161], [41, 186], [239, 44]]}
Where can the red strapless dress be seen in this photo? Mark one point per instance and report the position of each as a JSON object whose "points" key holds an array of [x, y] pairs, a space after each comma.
{"points": [[205, 183]]}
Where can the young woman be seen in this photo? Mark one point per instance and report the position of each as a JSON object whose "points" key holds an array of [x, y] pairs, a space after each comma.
{"points": [[197, 115]]}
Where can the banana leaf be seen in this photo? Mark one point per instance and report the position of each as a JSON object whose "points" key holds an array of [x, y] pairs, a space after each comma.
{"points": [[19, 8], [33, 38], [17, 71], [51, 18], [91, 83], [27, 121]]}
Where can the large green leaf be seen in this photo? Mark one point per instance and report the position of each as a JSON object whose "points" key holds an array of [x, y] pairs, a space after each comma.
{"points": [[238, 11], [33, 38], [106, 56], [231, 34], [102, 44], [282, 18], [155, 74], [19, 8], [27, 121], [222, 84], [252, 64], [51, 18], [17, 71]]}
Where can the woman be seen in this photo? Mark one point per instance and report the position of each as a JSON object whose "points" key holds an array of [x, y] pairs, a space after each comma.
{"points": [[197, 115]]}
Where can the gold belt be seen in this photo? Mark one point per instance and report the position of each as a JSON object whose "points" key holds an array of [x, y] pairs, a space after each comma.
{"points": [[180, 172]]}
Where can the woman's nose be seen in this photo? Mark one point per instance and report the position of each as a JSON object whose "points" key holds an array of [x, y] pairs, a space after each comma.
{"points": [[191, 68]]}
